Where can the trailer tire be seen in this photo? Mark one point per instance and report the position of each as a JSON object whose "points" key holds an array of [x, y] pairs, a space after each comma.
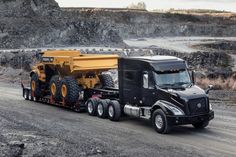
{"points": [[160, 123], [91, 106], [201, 125], [69, 90], [54, 87], [102, 109], [114, 110], [106, 81], [30, 96], [35, 86], [26, 94]]}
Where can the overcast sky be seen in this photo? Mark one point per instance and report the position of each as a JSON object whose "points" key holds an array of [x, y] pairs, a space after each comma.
{"points": [[228, 5]]}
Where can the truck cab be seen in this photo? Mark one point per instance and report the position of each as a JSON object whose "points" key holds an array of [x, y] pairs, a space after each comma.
{"points": [[162, 89]]}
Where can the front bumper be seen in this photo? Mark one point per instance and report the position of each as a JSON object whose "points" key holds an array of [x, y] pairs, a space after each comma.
{"points": [[180, 120]]}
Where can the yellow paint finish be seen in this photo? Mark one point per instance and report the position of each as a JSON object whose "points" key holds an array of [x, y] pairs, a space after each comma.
{"points": [[53, 89], [64, 91], [88, 82], [69, 63]]}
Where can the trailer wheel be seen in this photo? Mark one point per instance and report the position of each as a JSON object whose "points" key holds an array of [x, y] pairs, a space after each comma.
{"points": [[114, 110], [54, 87], [106, 81], [69, 90], [201, 125], [30, 95], [91, 106], [26, 94], [35, 86], [102, 109], [159, 121]]}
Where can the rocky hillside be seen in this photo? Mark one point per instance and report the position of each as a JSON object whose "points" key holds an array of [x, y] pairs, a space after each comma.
{"points": [[41, 23], [132, 24]]}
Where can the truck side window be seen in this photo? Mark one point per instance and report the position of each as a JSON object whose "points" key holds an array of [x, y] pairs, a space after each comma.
{"points": [[145, 80]]}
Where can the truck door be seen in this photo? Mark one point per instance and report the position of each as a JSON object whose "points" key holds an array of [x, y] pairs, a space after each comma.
{"points": [[149, 95]]}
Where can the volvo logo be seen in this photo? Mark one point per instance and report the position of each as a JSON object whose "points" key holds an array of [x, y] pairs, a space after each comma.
{"points": [[199, 105]]}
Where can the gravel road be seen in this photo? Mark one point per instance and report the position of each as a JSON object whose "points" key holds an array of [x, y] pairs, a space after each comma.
{"points": [[34, 129]]}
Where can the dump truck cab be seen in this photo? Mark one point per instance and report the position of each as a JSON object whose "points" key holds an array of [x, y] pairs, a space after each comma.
{"points": [[162, 88]]}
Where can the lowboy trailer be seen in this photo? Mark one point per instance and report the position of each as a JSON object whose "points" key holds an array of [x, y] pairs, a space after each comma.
{"points": [[158, 88]]}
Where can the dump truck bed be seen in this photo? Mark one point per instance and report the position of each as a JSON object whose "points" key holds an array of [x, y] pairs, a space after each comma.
{"points": [[79, 62]]}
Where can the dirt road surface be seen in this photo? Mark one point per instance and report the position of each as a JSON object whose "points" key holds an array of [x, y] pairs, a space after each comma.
{"points": [[33, 129]]}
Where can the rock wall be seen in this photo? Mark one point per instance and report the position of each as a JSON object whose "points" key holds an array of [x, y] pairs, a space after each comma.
{"points": [[132, 24], [40, 23]]}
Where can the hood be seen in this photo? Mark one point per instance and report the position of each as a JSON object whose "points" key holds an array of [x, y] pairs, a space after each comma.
{"points": [[189, 93]]}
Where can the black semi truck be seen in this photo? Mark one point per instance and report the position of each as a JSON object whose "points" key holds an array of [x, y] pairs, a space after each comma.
{"points": [[157, 88]]}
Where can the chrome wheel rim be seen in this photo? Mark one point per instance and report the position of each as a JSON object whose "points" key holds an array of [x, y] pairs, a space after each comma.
{"points": [[159, 121], [90, 107], [100, 109], [111, 111]]}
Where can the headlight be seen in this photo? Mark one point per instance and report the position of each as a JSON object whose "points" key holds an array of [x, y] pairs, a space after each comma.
{"points": [[176, 111], [210, 107]]}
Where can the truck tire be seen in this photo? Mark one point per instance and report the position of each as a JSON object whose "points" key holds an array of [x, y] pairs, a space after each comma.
{"points": [[54, 87], [114, 110], [102, 109], [106, 81], [91, 106], [201, 125], [69, 90], [35, 86], [160, 123]]}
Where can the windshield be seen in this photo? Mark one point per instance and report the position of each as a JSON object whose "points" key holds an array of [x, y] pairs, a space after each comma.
{"points": [[172, 78]]}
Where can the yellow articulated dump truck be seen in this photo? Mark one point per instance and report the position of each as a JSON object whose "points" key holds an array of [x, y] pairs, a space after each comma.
{"points": [[158, 88], [64, 75]]}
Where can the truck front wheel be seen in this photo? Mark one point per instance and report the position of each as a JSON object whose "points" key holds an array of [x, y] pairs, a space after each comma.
{"points": [[201, 125], [159, 121], [114, 110]]}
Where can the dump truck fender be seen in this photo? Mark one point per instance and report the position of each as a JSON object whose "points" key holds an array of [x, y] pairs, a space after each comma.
{"points": [[35, 71]]}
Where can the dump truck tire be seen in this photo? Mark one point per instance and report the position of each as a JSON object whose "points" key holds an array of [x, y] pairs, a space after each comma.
{"points": [[106, 81], [54, 87], [35, 86], [69, 90]]}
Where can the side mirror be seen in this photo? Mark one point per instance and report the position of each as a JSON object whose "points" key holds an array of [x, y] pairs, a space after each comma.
{"points": [[145, 80], [210, 87], [192, 74]]}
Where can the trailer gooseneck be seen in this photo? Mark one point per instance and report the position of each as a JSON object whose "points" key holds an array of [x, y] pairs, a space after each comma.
{"points": [[158, 88]]}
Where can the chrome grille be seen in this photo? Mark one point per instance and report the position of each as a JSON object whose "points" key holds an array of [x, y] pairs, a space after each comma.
{"points": [[198, 106]]}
